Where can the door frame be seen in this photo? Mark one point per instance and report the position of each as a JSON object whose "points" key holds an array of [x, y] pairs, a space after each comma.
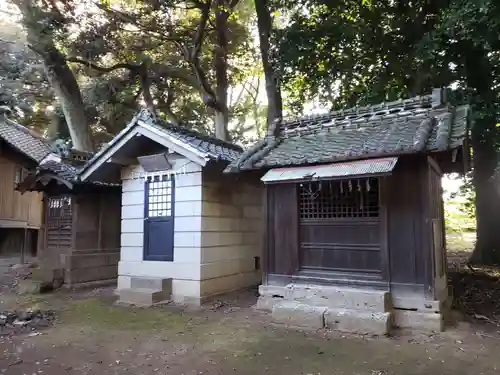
{"points": [[170, 256]]}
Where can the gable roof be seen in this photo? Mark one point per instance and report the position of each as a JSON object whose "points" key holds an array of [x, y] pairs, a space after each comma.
{"points": [[401, 127], [24, 140], [215, 148], [203, 147], [64, 173]]}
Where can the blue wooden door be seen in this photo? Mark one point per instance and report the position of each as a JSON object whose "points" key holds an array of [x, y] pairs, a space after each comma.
{"points": [[159, 218]]}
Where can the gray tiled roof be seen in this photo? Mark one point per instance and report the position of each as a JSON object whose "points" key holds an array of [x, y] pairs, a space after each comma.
{"points": [[409, 126], [67, 172], [214, 147], [24, 140], [63, 170]]}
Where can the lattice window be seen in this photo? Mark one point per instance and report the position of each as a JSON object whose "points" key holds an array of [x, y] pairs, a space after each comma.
{"points": [[19, 174], [339, 199], [159, 195], [59, 207]]}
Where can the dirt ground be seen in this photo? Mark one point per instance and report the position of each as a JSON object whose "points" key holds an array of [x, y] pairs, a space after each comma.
{"points": [[94, 336]]}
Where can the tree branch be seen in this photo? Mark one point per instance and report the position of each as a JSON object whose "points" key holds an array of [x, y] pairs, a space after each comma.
{"points": [[200, 31], [103, 69]]}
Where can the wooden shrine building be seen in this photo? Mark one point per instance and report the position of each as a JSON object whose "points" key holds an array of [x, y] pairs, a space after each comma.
{"points": [[354, 220], [81, 222]]}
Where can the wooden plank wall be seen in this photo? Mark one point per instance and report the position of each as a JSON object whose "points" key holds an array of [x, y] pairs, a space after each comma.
{"points": [[14, 205], [283, 230], [408, 232], [110, 220], [97, 221]]}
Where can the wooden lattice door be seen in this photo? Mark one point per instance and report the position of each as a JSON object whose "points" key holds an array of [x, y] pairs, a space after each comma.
{"points": [[59, 222]]}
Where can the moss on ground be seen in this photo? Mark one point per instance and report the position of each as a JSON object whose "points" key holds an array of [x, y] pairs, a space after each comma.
{"points": [[100, 314]]}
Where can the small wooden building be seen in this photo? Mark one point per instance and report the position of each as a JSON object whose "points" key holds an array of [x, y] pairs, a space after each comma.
{"points": [[355, 236], [80, 234], [188, 232], [21, 150]]}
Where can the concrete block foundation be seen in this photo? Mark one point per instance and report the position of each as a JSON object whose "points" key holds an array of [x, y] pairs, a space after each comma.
{"points": [[146, 291], [354, 310], [299, 315], [421, 321], [362, 311], [358, 321]]}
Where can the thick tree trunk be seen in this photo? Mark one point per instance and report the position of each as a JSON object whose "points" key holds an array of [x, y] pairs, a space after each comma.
{"points": [[220, 64], [487, 249], [146, 88], [485, 159], [35, 20], [274, 103], [220, 120], [63, 81]]}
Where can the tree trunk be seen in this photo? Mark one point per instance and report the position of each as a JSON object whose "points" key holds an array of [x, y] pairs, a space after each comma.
{"points": [[485, 159], [220, 65], [274, 103], [63, 81], [487, 249], [146, 88], [59, 75]]}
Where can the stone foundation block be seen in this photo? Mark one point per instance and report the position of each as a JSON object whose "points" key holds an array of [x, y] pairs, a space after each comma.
{"points": [[422, 321], [266, 303], [360, 322], [417, 303], [151, 283], [299, 315], [341, 297], [272, 290], [142, 297]]}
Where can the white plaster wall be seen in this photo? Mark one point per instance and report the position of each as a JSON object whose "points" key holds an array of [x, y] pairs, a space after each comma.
{"points": [[185, 269], [230, 234]]}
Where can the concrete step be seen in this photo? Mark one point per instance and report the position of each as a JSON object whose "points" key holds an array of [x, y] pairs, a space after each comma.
{"points": [[151, 283], [143, 296], [331, 296]]}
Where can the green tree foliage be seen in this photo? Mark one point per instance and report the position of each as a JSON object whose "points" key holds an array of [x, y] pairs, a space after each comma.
{"points": [[169, 56], [24, 91], [347, 53]]}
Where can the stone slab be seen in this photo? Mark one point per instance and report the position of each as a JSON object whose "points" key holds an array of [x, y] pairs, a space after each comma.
{"points": [[298, 315], [412, 302], [271, 290], [421, 321], [266, 303], [151, 283], [331, 296], [142, 297], [359, 322]]}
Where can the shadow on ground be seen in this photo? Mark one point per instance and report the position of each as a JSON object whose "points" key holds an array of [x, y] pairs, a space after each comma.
{"points": [[94, 336]]}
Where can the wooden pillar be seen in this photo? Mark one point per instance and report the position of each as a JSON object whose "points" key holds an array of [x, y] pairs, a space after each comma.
{"points": [[25, 241], [101, 206]]}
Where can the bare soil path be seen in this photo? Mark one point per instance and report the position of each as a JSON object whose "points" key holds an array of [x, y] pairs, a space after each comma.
{"points": [[93, 336]]}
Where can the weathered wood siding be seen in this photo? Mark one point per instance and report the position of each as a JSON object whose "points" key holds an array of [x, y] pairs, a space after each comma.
{"points": [[97, 221], [332, 248], [282, 255], [16, 209], [410, 226], [437, 231], [231, 238]]}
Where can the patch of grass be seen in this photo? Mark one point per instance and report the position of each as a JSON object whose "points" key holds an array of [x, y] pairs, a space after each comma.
{"points": [[459, 242], [100, 314], [457, 220]]}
